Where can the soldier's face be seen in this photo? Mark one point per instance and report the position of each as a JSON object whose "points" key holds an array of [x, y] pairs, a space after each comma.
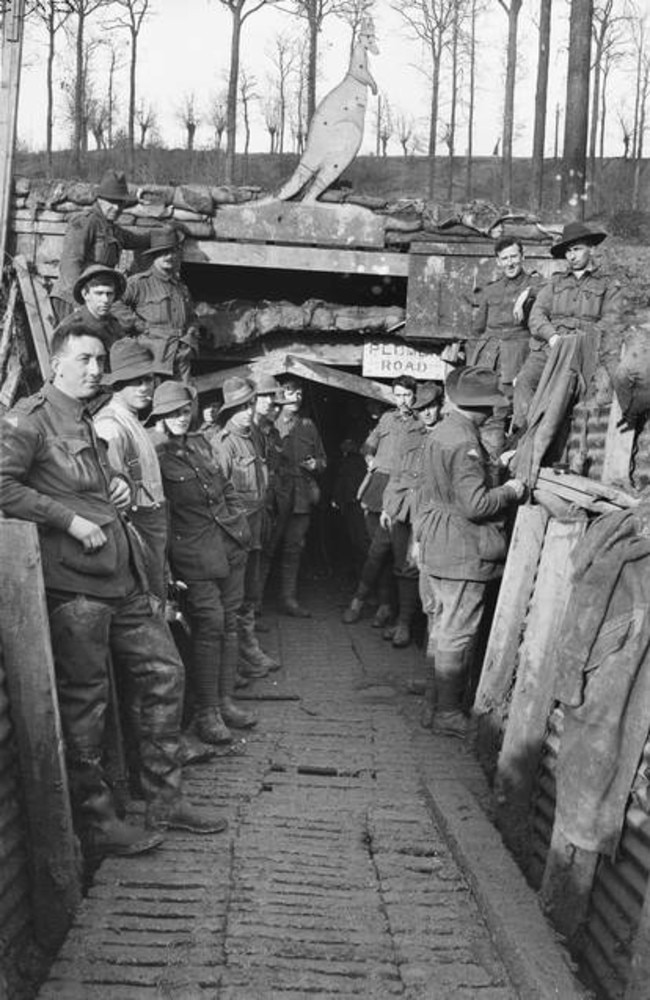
{"points": [[79, 366], [292, 398], [264, 404], [110, 209], [166, 262], [178, 422], [510, 261], [404, 398], [430, 415], [98, 297], [578, 256], [138, 393], [243, 417]]}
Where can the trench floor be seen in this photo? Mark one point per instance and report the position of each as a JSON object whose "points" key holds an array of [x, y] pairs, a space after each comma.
{"points": [[334, 878]]}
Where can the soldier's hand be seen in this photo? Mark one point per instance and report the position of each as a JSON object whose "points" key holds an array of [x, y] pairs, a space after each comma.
{"points": [[120, 492], [552, 340], [89, 534], [517, 487], [384, 520], [518, 310]]}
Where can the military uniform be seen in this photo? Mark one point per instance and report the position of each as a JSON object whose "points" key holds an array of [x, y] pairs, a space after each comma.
{"points": [[160, 312], [566, 303], [498, 341], [209, 537], [90, 238], [107, 328], [459, 527], [52, 467], [300, 440]]}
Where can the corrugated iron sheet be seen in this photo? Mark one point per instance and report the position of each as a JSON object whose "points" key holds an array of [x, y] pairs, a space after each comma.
{"points": [[542, 813], [15, 902], [618, 892]]}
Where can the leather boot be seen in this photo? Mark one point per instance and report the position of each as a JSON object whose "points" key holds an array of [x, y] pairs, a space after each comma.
{"points": [[450, 670], [231, 714], [251, 654], [382, 616], [210, 727], [193, 751], [181, 815], [289, 582], [103, 834], [407, 589], [353, 611]]}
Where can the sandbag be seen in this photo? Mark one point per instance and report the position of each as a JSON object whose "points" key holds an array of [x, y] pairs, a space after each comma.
{"points": [[632, 375]]}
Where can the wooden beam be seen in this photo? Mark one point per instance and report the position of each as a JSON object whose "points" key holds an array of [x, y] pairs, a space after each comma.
{"points": [[295, 258], [532, 696], [8, 325], [619, 443], [499, 664], [34, 708], [337, 379], [10, 61], [574, 487], [38, 312], [12, 377]]}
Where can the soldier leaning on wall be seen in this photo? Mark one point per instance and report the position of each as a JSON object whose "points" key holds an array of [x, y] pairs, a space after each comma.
{"points": [[54, 471], [94, 237]]}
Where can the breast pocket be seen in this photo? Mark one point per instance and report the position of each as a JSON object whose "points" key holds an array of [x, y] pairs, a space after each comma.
{"points": [[155, 310], [78, 462], [243, 475]]}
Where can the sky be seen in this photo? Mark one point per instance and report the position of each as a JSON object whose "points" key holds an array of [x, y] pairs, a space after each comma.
{"points": [[185, 48]]}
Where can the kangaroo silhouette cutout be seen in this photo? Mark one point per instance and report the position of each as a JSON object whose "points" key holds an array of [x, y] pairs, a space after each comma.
{"points": [[336, 130]]}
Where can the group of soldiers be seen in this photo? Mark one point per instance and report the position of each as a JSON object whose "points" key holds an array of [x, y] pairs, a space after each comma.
{"points": [[130, 512]]}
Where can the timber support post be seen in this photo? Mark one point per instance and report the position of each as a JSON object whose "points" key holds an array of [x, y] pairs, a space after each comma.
{"points": [[10, 60]]}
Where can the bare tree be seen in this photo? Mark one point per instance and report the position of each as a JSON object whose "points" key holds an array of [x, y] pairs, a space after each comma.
{"points": [[314, 12], [284, 57], [512, 11], [135, 12], [240, 11], [541, 92], [272, 121], [576, 118], [82, 11], [189, 117], [353, 12], [385, 124], [474, 8], [219, 116], [114, 64], [80, 120], [247, 93], [639, 31], [430, 21], [626, 135], [298, 102], [146, 120], [405, 129], [459, 15], [53, 14], [97, 121]]}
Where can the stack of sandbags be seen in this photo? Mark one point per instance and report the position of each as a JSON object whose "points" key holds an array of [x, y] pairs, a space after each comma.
{"points": [[239, 322]]}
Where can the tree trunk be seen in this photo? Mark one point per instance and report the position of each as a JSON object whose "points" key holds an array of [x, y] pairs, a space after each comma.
{"points": [[433, 123], [132, 69], [509, 102], [638, 163], [49, 122], [470, 108], [231, 108], [79, 94], [595, 108], [312, 67], [541, 93], [576, 120], [454, 101]]}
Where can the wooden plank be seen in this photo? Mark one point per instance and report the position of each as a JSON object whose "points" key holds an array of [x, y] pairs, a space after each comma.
{"points": [[337, 379], [12, 378], [532, 696], [8, 325], [296, 222], [590, 487], [38, 324], [619, 444], [295, 258], [10, 62], [32, 692], [490, 704]]}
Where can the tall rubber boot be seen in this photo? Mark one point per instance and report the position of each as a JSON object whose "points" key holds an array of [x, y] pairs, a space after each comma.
{"points": [[289, 583], [408, 593], [450, 674], [232, 715], [253, 661], [427, 713]]}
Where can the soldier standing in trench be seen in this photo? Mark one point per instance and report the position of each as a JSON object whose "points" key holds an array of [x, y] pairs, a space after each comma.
{"points": [[460, 539], [54, 471], [95, 291], [93, 236]]}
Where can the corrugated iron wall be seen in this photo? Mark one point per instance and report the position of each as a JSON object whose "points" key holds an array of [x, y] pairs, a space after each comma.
{"points": [[15, 901]]}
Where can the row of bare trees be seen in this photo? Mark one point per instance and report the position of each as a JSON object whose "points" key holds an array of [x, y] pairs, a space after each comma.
{"points": [[603, 35]]}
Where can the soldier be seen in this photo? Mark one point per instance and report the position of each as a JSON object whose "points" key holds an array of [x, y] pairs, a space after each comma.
{"points": [[94, 237], [500, 330], [157, 306], [582, 297], [304, 457], [54, 471], [96, 291], [459, 532], [268, 399], [241, 462], [383, 449]]}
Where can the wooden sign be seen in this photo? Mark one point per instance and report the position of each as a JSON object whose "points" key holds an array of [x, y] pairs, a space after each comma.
{"points": [[382, 360]]}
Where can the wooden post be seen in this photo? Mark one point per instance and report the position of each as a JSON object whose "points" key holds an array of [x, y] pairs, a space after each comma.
{"points": [[34, 708], [532, 697], [619, 443], [505, 635], [10, 60], [41, 320]]}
